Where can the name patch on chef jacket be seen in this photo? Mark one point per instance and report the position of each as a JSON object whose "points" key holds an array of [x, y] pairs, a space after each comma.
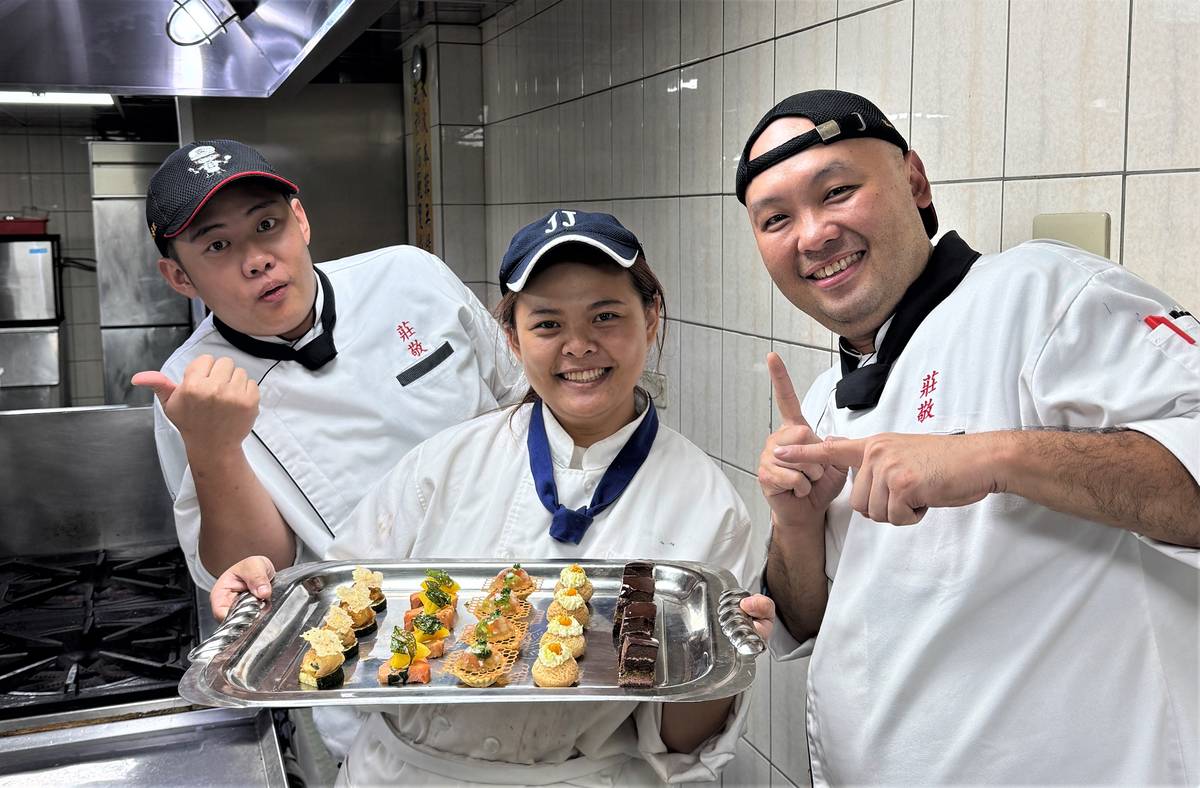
{"points": [[428, 363]]}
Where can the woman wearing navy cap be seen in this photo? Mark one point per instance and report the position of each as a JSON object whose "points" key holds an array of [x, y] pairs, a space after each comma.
{"points": [[581, 468]]}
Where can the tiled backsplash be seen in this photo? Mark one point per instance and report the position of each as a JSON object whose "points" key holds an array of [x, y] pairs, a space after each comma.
{"points": [[641, 108], [44, 165]]}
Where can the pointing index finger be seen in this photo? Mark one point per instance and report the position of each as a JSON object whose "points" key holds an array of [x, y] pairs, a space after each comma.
{"points": [[839, 453], [786, 401]]}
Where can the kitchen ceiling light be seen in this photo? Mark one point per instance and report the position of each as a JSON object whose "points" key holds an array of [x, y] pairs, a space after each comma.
{"points": [[194, 22], [23, 97]]}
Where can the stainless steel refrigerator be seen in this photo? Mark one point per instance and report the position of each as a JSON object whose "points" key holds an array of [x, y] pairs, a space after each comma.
{"points": [[142, 320], [30, 314]]}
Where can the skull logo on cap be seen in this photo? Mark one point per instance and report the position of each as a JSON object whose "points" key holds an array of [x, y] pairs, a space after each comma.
{"points": [[207, 160]]}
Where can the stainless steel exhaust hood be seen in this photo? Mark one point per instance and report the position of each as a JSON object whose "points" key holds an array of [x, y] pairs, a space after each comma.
{"points": [[121, 46]]}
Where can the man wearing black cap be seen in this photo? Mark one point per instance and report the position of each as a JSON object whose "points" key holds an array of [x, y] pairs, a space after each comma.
{"points": [[305, 383], [1034, 415]]}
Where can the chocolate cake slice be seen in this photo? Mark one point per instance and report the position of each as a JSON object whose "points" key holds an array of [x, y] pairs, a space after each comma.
{"points": [[635, 617], [635, 667], [639, 572]]}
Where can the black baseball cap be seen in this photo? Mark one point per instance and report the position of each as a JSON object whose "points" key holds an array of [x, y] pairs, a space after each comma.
{"points": [[190, 176], [564, 226], [838, 116]]}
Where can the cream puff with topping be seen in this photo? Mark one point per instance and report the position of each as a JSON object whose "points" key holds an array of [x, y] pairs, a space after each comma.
{"points": [[573, 576], [569, 602], [567, 631], [555, 667]]}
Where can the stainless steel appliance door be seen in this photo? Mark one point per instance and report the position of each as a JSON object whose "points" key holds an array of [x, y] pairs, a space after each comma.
{"points": [[134, 349], [27, 280], [132, 292], [28, 357]]}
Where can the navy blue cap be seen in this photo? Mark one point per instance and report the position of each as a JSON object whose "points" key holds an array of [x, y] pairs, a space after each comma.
{"points": [[562, 226]]}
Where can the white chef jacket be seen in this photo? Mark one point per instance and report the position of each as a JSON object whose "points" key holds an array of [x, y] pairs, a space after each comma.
{"points": [[469, 493], [1003, 642], [324, 437]]}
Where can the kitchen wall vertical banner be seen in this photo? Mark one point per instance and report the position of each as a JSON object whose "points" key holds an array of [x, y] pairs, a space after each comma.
{"points": [[422, 153]]}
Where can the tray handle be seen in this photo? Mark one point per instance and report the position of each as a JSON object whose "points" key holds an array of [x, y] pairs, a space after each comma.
{"points": [[738, 626], [241, 613]]}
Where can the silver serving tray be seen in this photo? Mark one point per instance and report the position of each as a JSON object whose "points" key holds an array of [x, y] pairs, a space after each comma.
{"points": [[707, 650]]}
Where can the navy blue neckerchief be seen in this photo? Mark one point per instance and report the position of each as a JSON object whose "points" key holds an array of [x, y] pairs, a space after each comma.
{"points": [[861, 387], [313, 355], [570, 525]]}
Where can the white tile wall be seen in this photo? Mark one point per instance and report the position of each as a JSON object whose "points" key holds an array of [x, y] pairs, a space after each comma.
{"points": [[955, 110], [745, 284], [700, 105], [700, 31], [749, 91], [669, 365], [874, 52], [1160, 217], [748, 22], [660, 157], [656, 224], [1164, 81], [746, 394], [598, 145], [700, 384], [573, 184], [1066, 86], [628, 141], [700, 285], [567, 19], [1025, 199], [1016, 108], [627, 44], [792, 15], [461, 99], [597, 45], [972, 210], [806, 61], [660, 34]]}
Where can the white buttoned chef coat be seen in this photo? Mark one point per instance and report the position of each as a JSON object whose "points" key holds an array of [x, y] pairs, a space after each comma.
{"points": [[1003, 642], [324, 437], [469, 493]]}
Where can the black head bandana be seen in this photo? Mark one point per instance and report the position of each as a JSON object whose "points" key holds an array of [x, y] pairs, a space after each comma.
{"points": [[861, 387], [313, 355]]}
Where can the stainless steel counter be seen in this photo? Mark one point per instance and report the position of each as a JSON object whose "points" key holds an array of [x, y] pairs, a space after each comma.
{"points": [[164, 742]]}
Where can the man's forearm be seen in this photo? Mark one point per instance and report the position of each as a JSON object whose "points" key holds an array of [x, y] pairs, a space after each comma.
{"points": [[685, 726], [1121, 478], [796, 576], [237, 516]]}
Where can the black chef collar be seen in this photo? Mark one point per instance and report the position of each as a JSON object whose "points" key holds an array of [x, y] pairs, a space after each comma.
{"points": [[314, 355], [861, 387]]}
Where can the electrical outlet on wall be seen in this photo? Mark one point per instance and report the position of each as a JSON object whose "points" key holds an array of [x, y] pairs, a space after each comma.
{"points": [[655, 383], [1088, 231]]}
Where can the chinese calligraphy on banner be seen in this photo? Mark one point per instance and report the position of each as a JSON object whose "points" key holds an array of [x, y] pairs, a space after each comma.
{"points": [[423, 164]]}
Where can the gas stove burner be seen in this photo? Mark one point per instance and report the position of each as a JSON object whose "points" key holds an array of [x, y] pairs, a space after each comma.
{"points": [[105, 577], [84, 629]]}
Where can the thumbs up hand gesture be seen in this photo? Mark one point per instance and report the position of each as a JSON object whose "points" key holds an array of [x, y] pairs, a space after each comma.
{"points": [[214, 407], [797, 492]]}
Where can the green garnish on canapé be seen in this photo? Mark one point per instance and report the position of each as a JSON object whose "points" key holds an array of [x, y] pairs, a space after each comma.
{"points": [[438, 597], [427, 623], [439, 577], [481, 649], [404, 642]]}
